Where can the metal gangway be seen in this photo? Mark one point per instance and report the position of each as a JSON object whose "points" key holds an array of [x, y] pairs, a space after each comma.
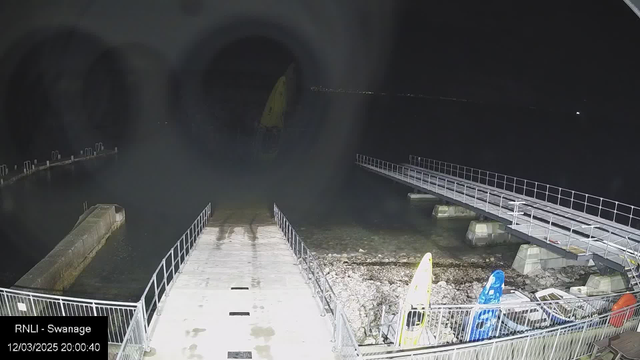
{"points": [[575, 225], [238, 293], [179, 286]]}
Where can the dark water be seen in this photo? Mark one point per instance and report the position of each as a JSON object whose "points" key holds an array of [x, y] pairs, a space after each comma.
{"points": [[361, 211], [37, 212]]}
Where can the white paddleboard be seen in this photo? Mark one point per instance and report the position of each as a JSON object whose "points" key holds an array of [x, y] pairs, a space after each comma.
{"points": [[412, 321]]}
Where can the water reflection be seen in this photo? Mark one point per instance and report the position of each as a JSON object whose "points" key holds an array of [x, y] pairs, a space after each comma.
{"points": [[361, 212]]}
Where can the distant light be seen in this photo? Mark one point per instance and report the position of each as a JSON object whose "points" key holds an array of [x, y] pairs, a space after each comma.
{"points": [[577, 112]]}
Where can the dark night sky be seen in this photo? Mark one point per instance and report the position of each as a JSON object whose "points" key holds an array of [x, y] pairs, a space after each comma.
{"points": [[534, 55], [524, 69]]}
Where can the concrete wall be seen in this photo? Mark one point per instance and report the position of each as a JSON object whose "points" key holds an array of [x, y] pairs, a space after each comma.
{"points": [[482, 233], [452, 211], [59, 269]]}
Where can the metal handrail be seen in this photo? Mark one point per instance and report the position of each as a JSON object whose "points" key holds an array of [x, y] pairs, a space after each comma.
{"points": [[134, 338], [557, 209], [599, 298], [627, 250], [309, 266], [23, 303], [538, 189], [539, 336], [482, 200], [67, 298], [160, 288], [454, 319]]}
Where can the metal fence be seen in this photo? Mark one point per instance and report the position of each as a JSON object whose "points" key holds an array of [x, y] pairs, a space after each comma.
{"points": [[344, 340], [544, 224], [450, 324], [168, 268], [607, 209], [135, 342], [569, 341], [22, 303], [8, 175]]}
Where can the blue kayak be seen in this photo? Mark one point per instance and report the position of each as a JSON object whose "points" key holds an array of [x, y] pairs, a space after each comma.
{"points": [[483, 322]]}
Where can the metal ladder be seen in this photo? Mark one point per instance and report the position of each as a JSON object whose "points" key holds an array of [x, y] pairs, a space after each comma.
{"points": [[633, 271]]}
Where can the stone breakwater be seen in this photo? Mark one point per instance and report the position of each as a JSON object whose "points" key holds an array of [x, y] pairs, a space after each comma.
{"points": [[364, 282]]}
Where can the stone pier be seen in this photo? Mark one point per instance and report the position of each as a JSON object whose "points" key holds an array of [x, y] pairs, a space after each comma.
{"points": [[59, 269]]}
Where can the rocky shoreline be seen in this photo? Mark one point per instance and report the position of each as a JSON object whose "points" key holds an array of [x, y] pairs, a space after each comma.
{"points": [[364, 282]]}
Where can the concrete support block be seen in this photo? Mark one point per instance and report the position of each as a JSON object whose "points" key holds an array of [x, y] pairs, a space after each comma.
{"points": [[605, 284], [416, 196], [532, 259], [452, 212], [482, 233], [59, 269]]}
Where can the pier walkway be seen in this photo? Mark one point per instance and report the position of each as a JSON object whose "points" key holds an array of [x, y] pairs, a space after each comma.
{"points": [[575, 225], [241, 295]]}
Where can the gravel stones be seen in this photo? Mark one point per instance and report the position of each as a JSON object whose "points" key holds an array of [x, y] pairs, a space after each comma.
{"points": [[363, 282]]}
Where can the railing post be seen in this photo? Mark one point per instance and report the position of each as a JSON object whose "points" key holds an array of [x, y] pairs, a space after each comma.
{"points": [[464, 196], [546, 197], [570, 234], [33, 307], [62, 307], [164, 269], [339, 322], [526, 347], [487, 205], [575, 356], [155, 294], [531, 222], [555, 343], [184, 250], [173, 262], [147, 336], [95, 313], [6, 301], [323, 300], [439, 325], [493, 347]]}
